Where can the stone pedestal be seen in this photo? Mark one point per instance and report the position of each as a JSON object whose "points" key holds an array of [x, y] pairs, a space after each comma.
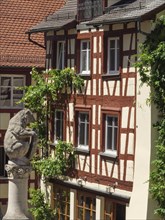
{"points": [[17, 192]]}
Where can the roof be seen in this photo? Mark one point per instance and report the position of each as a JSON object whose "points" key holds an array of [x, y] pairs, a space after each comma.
{"points": [[59, 19], [17, 16], [135, 10], [119, 12]]}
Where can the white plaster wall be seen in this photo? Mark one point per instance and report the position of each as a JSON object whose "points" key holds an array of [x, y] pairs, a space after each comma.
{"points": [[137, 208], [94, 86], [121, 169], [131, 87], [123, 143], [94, 65], [94, 44], [93, 164], [105, 91], [117, 27], [99, 69], [129, 171], [93, 138], [131, 144], [127, 41]]}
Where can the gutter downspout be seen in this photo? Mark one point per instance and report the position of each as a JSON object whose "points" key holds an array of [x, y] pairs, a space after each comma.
{"points": [[34, 42]]}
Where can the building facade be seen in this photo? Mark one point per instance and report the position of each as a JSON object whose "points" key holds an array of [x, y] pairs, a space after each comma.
{"points": [[19, 52], [108, 122]]}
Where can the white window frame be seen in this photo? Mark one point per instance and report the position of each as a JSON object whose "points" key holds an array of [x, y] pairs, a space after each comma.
{"points": [[117, 56], [112, 151], [61, 125], [60, 54], [86, 145], [12, 77], [88, 52]]}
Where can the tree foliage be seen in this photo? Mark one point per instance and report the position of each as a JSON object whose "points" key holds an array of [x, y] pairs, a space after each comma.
{"points": [[151, 66], [57, 166], [50, 87], [39, 207]]}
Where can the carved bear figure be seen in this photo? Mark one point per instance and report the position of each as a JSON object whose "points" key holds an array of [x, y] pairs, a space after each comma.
{"points": [[20, 141]]}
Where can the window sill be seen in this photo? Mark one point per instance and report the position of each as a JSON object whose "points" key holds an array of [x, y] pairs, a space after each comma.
{"points": [[85, 75], [108, 155], [109, 76], [80, 150]]}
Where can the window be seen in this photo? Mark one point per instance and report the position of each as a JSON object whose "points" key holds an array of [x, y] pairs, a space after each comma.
{"points": [[85, 57], [60, 54], [88, 9], [9, 92], [109, 212], [113, 56], [83, 129], [111, 134], [86, 207], [58, 125], [113, 211], [61, 202]]}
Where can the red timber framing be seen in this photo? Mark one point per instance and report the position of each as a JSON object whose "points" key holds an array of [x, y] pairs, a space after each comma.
{"points": [[93, 99]]}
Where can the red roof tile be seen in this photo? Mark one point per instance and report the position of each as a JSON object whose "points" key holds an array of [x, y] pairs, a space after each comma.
{"points": [[16, 18]]}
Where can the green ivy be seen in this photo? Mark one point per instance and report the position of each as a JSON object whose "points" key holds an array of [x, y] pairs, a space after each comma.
{"points": [[151, 67], [57, 166], [50, 87], [40, 208]]}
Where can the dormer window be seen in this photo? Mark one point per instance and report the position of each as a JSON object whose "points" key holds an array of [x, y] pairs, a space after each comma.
{"points": [[88, 9]]}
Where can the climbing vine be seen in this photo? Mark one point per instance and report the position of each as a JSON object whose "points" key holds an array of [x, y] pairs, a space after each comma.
{"points": [[49, 88], [151, 65], [39, 207]]}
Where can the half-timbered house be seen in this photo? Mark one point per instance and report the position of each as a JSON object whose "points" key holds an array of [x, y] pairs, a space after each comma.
{"points": [[19, 52], [108, 122]]}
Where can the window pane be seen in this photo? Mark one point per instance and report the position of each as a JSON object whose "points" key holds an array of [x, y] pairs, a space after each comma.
{"points": [[9, 94], [85, 56], [118, 61], [80, 213], [82, 134], [88, 202], [84, 61], [115, 138], [112, 60], [58, 125], [5, 81], [109, 138], [111, 127], [84, 45], [60, 55], [18, 81], [112, 43], [5, 96], [87, 215], [83, 128]]}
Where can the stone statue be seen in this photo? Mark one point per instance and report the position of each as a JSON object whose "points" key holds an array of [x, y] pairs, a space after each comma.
{"points": [[20, 141]]}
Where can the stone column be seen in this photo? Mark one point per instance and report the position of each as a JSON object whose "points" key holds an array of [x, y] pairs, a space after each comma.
{"points": [[17, 192]]}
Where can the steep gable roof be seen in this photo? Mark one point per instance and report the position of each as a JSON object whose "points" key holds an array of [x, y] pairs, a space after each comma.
{"points": [[17, 16], [120, 12], [60, 18], [135, 10]]}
